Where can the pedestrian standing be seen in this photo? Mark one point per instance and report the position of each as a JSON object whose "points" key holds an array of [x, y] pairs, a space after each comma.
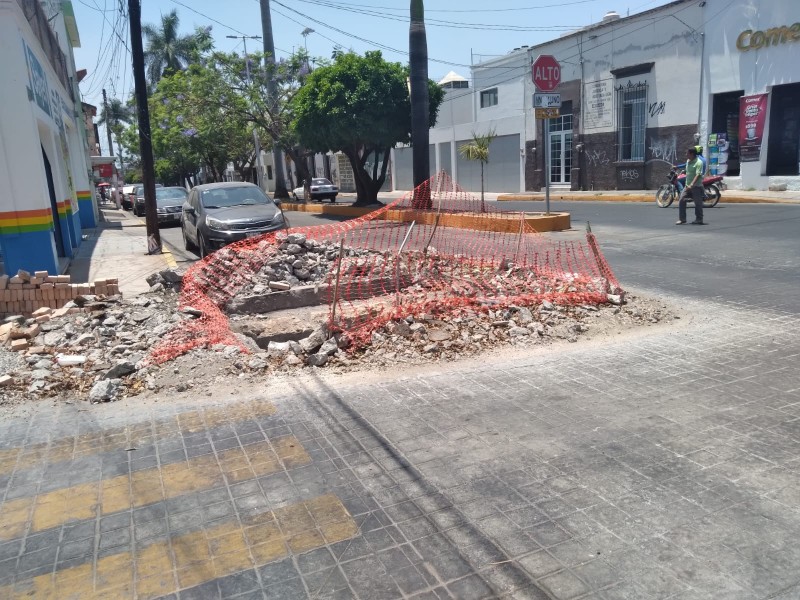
{"points": [[693, 189]]}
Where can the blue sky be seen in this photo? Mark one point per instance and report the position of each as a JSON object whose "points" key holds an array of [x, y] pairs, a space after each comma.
{"points": [[456, 30]]}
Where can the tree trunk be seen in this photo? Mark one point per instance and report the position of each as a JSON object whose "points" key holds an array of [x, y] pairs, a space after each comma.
{"points": [[418, 63], [272, 91], [367, 186], [301, 164]]}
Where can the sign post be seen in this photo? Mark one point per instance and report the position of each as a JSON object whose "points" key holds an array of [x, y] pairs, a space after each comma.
{"points": [[546, 75]]}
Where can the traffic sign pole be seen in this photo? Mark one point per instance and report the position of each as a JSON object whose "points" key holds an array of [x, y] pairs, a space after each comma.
{"points": [[546, 75], [546, 123]]}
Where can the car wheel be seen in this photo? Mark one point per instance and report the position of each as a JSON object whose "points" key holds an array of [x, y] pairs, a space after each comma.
{"points": [[333, 199], [201, 246], [294, 196]]}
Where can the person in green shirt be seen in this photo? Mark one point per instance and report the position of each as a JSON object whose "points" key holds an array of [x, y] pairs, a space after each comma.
{"points": [[693, 189]]}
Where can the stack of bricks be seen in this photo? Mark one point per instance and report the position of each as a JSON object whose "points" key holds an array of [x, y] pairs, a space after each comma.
{"points": [[24, 293]]}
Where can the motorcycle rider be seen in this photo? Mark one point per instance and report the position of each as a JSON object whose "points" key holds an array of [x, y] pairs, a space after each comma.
{"points": [[701, 158]]}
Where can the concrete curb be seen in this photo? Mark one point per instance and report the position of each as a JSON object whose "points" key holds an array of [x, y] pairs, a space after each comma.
{"points": [[559, 221], [628, 198]]}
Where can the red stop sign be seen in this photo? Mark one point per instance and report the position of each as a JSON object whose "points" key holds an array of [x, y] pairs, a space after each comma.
{"points": [[546, 73]]}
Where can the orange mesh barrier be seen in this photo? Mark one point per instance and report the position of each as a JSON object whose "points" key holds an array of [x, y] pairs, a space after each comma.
{"points": [[435, 251]]}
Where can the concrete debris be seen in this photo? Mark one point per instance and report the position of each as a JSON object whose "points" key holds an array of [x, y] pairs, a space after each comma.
{"points": [[119, 370], [317, 360], [104, 390], [315, 340]]}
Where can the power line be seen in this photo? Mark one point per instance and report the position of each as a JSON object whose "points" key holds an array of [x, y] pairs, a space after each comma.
{"points": [[440, 22], [465, 10]]}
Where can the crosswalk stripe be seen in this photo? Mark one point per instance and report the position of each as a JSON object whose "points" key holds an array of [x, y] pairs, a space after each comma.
{"points": [[188, 560], [123, 437], [148, 486]]}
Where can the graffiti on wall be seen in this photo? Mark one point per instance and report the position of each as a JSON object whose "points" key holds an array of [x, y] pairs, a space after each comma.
{"points": [[657, 108], [629, 174], [596, 158], [665, 149]]}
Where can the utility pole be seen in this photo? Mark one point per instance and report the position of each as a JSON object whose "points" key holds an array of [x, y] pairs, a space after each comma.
{"points": [[145, 142], [256, 141], [108, 123], [272, 93], [420, 135]]}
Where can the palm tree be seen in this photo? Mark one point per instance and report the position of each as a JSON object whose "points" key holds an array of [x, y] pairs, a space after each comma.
{"points": [[418, 66], [113, 116], [167, 51], [478, 149]]}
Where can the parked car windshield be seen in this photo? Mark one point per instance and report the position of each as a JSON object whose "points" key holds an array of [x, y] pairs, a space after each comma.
{"points": [[320, 182], [170, 195], [139, 189], [234, 196]]}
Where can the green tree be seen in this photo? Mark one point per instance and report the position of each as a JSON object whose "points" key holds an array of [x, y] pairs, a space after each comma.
{"points": [[250, 94], [168, 52], [418, 67], [359, 105], [478, 149], [191, 127], [115, 116]]}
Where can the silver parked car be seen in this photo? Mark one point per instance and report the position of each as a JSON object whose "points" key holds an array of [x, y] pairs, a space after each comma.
{"points": [[217, 214], [169, 204]]}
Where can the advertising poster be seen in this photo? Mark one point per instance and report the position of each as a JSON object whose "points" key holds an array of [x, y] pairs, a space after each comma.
{"points": [[752, 116]]}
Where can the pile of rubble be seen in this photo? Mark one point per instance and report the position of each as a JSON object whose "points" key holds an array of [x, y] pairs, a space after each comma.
{"points": [[298, 261], [94, 346], [424, 338], [97, 347]]}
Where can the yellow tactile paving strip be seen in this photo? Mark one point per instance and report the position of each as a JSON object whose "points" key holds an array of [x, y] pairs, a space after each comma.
{"points": [[140, 488], [120, 437], [191, 559]]}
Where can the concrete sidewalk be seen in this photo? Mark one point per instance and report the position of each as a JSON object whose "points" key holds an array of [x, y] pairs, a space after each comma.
{"points": [[117, 248]]}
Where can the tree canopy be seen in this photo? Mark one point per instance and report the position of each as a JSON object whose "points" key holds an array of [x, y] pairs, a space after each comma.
{"points": [[190, 127], [359, 105]]}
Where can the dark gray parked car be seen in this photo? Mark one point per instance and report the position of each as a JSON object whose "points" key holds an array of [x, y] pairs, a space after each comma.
{"points": [[217, 214], [169, 204], [136, 199]]}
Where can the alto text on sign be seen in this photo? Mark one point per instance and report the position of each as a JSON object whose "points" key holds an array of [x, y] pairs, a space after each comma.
{"points": [[546, 73]]}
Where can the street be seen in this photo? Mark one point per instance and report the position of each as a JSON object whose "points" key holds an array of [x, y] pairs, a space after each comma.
{"points": [[662, 463]]}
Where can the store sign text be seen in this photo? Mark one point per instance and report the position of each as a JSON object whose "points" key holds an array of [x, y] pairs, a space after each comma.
{"points": [[753, 40]]}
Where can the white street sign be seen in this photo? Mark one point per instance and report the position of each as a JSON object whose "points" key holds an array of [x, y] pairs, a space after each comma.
{"points": [[546, 100]]}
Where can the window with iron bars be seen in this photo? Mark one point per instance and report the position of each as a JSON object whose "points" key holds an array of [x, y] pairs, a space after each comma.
{"points": [[631, 121]]}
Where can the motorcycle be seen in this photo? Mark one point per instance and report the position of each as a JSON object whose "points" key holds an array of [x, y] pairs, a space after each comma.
{"points": [[669, 192]]}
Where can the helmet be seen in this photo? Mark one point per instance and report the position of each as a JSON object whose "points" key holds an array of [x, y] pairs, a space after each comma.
{"points": [[699, 150]]}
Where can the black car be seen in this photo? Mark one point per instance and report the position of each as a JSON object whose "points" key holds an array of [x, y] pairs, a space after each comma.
{"points": [[169, 204], [137, 199], [217, 214]]}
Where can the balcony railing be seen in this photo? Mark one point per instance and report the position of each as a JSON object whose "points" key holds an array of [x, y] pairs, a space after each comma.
{"points": [[34, 13]]}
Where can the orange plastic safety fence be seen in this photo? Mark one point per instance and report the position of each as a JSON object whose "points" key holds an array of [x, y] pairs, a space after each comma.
{"points": [[436, 250]]}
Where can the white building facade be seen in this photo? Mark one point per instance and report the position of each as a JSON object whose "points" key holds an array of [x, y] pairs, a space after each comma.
{"points": [[46, 195], [636, 93]]}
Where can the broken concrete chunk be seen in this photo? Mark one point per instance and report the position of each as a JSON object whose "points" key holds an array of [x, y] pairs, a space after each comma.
{"points": [[190, 310], [317, 360], [6, 380], [171, 276], [614, 299], [296, 238], [315, 340], [279, 285], [330, 347], [104, 390], [294, 249], [119, 370], [277, 349]]}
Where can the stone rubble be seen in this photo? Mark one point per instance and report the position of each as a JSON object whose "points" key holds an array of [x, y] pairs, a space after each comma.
{"points": [[95, 347]]}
